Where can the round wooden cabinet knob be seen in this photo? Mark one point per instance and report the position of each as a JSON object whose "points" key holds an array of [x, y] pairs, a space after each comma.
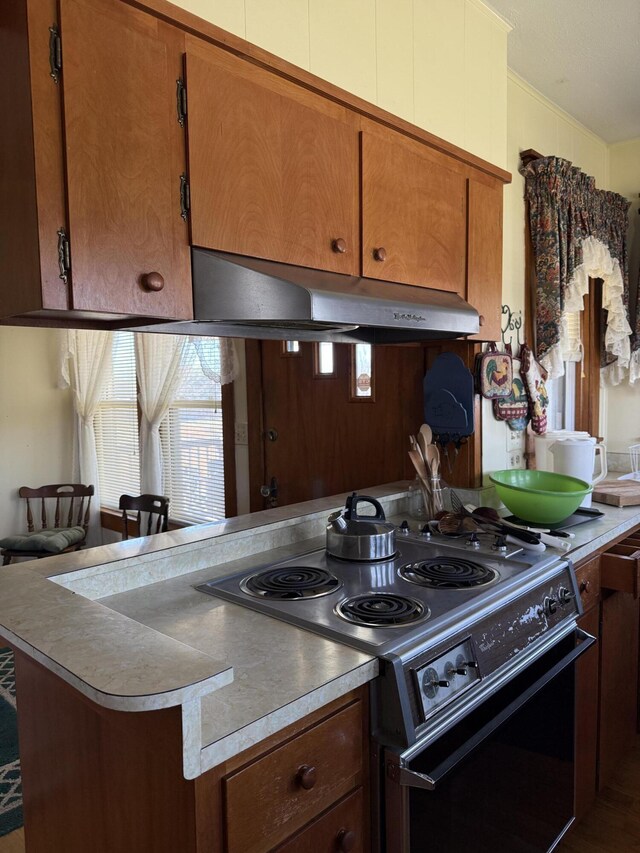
{"points": [[152, 281], [481, 320], [339, 246], [306, 777], [585, 586], [380, 254], [346, 839]]}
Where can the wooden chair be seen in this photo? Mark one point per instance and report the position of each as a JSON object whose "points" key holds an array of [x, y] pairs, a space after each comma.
{"points": [[70, 522], [153, 505]]}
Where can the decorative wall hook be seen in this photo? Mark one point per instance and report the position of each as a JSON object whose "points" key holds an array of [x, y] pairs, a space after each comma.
{"points": [[513, 324]]}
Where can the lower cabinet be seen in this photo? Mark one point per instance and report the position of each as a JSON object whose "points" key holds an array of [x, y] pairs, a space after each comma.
{"points": [[292, 784], [112, 782], [619, 621]]}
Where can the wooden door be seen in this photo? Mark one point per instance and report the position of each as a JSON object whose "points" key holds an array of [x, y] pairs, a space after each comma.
{"points": [[414, 210], [484, 268], [125, 155], [325, 442], [273, 173]]}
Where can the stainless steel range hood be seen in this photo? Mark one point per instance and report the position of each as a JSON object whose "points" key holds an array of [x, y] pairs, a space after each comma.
{"points": [[236, 296]]}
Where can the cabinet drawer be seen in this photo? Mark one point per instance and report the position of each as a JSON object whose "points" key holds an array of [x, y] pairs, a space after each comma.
{"points": [[588, 577], [620, 569], [270, 799], [338, 831]]}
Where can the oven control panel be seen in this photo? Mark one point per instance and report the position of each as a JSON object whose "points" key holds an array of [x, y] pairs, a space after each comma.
{"points": [[446, 676]]}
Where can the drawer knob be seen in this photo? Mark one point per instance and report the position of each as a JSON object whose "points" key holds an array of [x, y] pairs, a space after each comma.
{"points": [[339, 246], [346, 839], [306, 777], [585, 586], [380, 254], [152, 281]]}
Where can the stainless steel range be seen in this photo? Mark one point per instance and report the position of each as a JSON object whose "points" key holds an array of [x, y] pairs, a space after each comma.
{"points": [[471, 640]]}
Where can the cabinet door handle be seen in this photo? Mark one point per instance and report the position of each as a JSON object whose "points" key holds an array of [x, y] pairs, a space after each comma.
{"points": [[339, 246], [306, 777], [346, 840], [585, 586], [481, 320], [152, 281], [380, 254]]}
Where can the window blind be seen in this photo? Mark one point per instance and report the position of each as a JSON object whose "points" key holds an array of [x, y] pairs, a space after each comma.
{"points": [[116, 426], [573, 341], [192, 445]]}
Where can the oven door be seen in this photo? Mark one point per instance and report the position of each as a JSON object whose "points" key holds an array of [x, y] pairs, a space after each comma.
{"points": [[502, 778]]}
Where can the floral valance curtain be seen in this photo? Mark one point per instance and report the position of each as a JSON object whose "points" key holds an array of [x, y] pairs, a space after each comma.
{"points": [[578, 232]]}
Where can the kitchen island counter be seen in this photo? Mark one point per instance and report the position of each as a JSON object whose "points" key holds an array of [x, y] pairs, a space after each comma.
{"points": [[123, 610]]}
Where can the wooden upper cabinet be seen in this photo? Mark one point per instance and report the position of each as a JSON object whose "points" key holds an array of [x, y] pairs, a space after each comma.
{"points": [[274, 174], [484, 266], [413, 216], [124, 158]]}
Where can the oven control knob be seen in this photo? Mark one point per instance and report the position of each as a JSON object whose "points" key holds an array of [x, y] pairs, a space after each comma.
{"points": [[431, 682], [472, 664], [550, 605], [500, 544], [452, 670], [425, 532], [565, 596], [473, 541], [404, 527]]}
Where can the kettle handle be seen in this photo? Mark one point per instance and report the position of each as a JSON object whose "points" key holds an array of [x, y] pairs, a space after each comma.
{"points": [[351, 512]]}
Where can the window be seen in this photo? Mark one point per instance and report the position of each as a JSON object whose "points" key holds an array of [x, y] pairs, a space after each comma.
{"points": [[191, 434], [116, 426], [362, 372]]}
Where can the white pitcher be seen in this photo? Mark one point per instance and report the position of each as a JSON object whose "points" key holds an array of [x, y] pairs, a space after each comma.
{"points": [[576, 457]]}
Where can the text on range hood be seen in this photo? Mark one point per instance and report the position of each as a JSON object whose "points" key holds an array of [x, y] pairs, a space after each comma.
{"points": [[250, 298]]}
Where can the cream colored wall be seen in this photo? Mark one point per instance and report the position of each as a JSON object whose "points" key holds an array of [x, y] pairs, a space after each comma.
{"points": [[532, 122], [36, 419], [438, 63], [623, 402]]}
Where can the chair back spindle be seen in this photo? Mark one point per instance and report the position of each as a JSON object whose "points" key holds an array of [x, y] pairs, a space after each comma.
{"points": [[155, 506]]}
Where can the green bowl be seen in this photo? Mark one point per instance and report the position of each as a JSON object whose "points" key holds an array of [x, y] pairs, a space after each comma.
{"points": [[539, 496]]}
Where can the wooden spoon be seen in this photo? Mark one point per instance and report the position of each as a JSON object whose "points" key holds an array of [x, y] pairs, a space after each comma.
{"points": [[424, 438]]}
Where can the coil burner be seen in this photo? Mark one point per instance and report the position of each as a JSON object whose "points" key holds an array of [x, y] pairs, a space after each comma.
{"points": [[293, 582], [448, 573], [381, 610]]}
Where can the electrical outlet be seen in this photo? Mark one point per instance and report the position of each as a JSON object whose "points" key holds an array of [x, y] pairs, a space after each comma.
{"points": [[242, 433], [515, 440], [515, 459]]}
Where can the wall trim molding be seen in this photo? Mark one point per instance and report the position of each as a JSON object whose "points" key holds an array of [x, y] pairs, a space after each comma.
{"points": [[504, 24]]}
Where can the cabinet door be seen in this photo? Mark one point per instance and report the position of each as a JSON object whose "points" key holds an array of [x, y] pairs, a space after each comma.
{"points": [[124, 154], [271, 176], [413, 217], [618, 681], [484, 269]]}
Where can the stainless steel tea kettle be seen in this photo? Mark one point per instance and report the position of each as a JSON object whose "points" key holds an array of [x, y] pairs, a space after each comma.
{"points": [[360, 537]]}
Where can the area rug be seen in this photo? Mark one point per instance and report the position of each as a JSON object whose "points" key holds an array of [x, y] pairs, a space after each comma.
{"points": [[10, 779]]}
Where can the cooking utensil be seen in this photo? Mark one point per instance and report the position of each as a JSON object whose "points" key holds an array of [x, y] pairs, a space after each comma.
{"points": [[424, 438], [539, 496], [360, 537], [523, 536]]}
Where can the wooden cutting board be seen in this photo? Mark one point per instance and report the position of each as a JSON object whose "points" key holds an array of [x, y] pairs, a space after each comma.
{"points": [[618, 493]]}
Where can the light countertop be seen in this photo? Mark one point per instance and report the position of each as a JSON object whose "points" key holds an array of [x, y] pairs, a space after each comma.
{"points": [[124, 626]]}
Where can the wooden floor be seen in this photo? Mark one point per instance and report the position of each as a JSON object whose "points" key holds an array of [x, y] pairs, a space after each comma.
{"points": [[612, 827]]}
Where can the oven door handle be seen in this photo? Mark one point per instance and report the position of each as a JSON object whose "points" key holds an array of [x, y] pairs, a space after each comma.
{"points": [[429, 781]]}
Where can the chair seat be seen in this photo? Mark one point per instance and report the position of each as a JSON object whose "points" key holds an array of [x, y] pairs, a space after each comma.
{"points": [[50, 541]]}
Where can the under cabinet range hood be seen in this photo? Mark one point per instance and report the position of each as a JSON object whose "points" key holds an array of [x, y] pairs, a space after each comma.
{"points": [[236, 296]]}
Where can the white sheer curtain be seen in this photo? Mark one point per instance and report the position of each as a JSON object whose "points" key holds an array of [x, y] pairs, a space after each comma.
{"points": [[159, 359], [85, 367]]}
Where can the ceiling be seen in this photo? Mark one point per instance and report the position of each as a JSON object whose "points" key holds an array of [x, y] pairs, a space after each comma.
{"points": [[584, 55]]}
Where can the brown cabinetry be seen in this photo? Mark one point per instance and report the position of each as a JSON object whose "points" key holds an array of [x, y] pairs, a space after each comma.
{"points": [[304, 789], [100, 156], [273, 169], [413, 215], [484, 256], [619, 621]]}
